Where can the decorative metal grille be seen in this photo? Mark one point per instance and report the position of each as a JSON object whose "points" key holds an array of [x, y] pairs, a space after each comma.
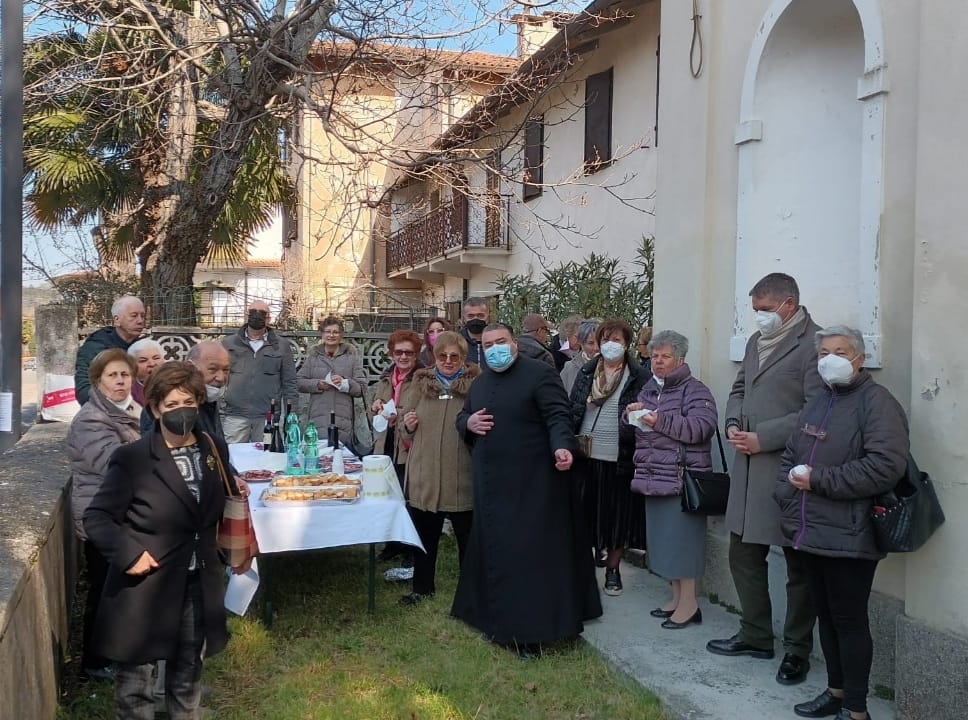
{"points": [[176, 343]]}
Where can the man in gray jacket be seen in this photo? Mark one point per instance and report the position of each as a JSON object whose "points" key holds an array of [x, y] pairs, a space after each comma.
{"points": [[776, 379], [533, 341], [262, 370]]}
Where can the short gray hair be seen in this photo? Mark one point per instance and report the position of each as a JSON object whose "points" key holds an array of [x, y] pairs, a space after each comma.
{"points": [[569, 326], [145, 344], [118, 307], [586, 330], [670, 338], [854, 336]]}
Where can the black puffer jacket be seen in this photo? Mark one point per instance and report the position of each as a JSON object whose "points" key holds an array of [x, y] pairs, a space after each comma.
{"points": [[861, 452], [626, 434]]}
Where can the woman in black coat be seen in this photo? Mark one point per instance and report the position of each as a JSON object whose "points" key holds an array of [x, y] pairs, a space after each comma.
{"points": [[155, 519], [602, 390]]}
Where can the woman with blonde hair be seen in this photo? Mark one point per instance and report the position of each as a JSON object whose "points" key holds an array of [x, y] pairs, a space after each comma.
{"points": [[439, 482]]}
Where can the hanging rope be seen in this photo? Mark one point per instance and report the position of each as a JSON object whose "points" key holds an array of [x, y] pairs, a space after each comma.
{"points": [[695, 47]]}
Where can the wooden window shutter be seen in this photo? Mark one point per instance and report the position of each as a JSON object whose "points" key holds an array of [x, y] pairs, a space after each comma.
{"points": [[598, 121], [533, 157]]}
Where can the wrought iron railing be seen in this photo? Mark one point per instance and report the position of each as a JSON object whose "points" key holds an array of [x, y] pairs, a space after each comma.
{"points": [[448, 228], [373, 346]]}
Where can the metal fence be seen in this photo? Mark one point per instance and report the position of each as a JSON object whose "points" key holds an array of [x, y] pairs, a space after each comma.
{"points": [[372, 346]]}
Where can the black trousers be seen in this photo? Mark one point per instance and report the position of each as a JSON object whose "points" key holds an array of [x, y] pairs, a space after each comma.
{"points": [[841, 588], [429, 526], [97, 571]]}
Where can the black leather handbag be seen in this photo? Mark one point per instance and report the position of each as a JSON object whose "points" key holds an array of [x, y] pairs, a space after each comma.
{"points": [[705, 492], [906, 517]]}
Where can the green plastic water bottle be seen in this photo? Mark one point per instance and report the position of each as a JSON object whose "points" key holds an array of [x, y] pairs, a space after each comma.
{"points": [[311, 454]]}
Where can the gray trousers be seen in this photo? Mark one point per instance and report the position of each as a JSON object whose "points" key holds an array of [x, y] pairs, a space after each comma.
{"points": [[747, 563], [242, 429], [134, 685]]}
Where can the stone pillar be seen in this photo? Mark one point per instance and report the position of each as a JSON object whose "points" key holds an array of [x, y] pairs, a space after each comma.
{"points": [[55, 329]]}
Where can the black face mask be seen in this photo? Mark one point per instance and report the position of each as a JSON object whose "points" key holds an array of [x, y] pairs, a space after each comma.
{"points": [[180, 421], [475, 326], [257, 320]]}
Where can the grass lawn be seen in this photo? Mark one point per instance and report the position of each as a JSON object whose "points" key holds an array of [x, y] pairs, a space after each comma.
{"points": [[325, 657]]}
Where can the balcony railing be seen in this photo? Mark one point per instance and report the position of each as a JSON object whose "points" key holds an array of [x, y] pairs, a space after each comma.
{"points": [[451, 228]]}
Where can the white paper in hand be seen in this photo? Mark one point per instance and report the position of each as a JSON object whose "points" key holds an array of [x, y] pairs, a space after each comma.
{"points": [[241, 589], [389, 409]]}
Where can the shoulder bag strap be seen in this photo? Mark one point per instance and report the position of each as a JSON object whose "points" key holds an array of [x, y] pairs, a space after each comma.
{"points": [[218, 461], [719, 438]]}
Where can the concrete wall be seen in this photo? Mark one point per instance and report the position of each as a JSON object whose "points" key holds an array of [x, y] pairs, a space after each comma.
{"points": [[912, 278], [38, 569]]}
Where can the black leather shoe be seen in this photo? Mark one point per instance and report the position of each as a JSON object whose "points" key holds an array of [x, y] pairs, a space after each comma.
{"points": [[844, 714], [824, 705], [530, 651], [735, 646], [671, 624], [660, 613], [793, 670]]}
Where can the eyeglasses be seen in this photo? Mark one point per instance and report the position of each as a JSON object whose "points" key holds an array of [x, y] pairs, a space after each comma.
{"points": [[449, 357], [403, 353]]}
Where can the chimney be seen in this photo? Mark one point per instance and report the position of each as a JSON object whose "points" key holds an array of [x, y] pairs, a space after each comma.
{"points": [[535, 30]]}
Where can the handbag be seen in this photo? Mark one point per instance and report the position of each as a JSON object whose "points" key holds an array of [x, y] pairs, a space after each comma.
{"points": [[705, 492], [906, 517], [584, 442], [236, 535], [357, 445]]}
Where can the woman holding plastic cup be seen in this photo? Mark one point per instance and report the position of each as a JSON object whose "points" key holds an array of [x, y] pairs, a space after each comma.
{"points": [[439, 481], [675, 430], [850, 444]]}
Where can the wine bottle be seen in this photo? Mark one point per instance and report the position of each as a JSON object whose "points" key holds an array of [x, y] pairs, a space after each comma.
{"points": [[267, 436], [332, 432]]}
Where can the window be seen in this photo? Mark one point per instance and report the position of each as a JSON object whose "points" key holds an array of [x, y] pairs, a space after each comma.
{"points": [[598, 121], [533, 157]]}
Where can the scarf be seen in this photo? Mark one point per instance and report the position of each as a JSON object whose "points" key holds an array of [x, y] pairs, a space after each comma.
{"points": [[766, 344], [445, 380], [605, 383], [396, 380]]}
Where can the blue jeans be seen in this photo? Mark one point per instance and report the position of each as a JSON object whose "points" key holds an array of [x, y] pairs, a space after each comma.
{"points": [[134, 686]]}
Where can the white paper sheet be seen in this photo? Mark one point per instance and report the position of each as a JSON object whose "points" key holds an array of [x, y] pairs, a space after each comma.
{"points": [[241, 589]]}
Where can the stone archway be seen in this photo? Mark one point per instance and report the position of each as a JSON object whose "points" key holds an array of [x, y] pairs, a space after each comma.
{"points": [[810, 144]]}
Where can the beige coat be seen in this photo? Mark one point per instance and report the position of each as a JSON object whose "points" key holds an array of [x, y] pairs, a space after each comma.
{"points": [[439, 473], [766, 400]]}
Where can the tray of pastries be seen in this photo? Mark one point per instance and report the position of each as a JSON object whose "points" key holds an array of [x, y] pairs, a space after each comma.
{"points": [[301, 497], [315, 480]]}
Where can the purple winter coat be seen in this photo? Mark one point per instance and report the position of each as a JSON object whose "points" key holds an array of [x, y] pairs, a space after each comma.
{"points": [[687, 417]]}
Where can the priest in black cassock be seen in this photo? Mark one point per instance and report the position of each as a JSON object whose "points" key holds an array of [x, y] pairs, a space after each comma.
{"points": [[528, 576]]}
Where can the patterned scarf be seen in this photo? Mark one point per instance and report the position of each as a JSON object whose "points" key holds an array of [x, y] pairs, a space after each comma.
{"points": [[605, 383]]}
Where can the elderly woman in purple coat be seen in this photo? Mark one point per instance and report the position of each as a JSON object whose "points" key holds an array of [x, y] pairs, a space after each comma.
{"points": [[674, 418]]}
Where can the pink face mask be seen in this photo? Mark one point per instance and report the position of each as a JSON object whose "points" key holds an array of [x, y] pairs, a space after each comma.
{"points": [[432, 337]]}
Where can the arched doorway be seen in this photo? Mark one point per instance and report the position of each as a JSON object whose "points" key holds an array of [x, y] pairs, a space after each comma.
{"points": [[810, 147]]}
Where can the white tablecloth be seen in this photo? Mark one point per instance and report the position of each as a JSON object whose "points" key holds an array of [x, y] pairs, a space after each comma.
{"points": [[288, 529], [284, 529]]}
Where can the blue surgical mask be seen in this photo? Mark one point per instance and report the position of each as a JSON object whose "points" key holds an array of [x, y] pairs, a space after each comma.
{"points": [[498, 357]]}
